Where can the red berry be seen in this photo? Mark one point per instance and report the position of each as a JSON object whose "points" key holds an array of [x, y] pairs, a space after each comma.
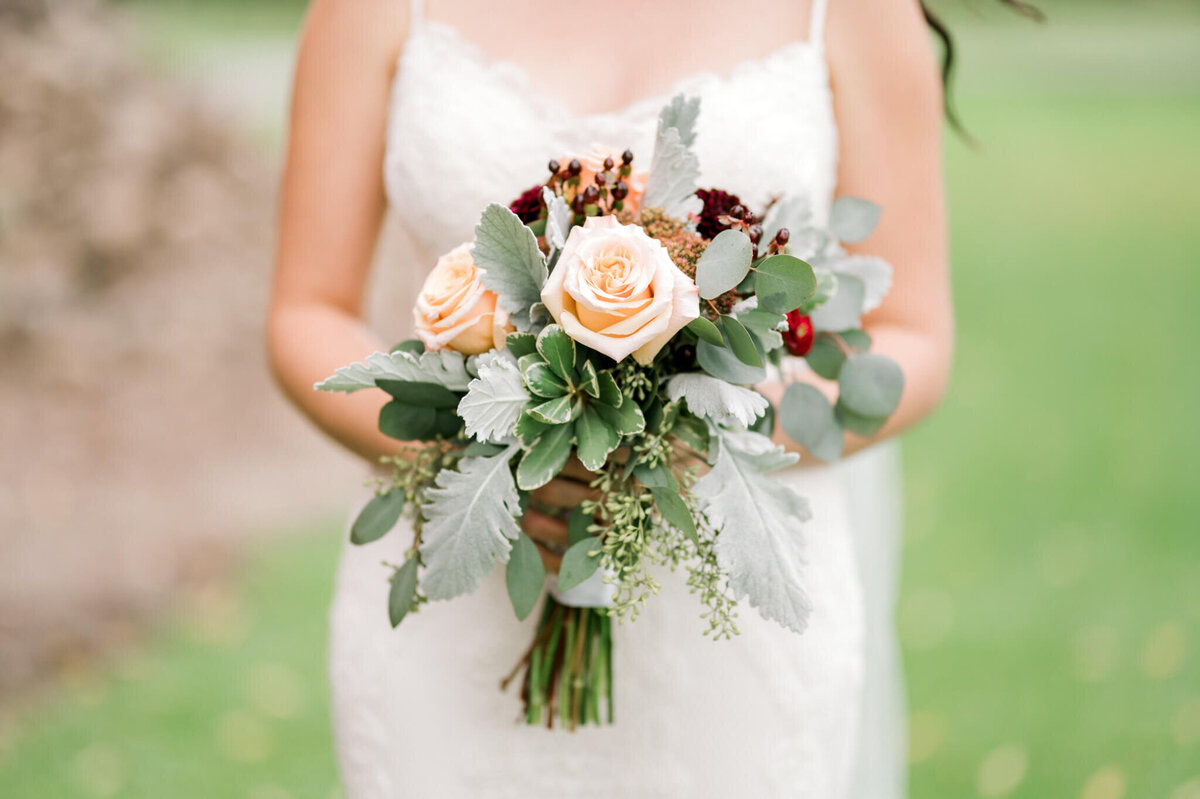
{"points": [[798, 338]]}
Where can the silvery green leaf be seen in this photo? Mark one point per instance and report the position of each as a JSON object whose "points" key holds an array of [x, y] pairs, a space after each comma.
{"points": [[721, 363], [470, 521], [807, 417], [403, 591], [852, 219], [507, 255], [724, 263], [793, 212], [870, 385], [674, 170], [558, 219], [875, 274], [758, 519], [445, 368], [681, 113], [843, 310], [710, 398], [494, 400]]}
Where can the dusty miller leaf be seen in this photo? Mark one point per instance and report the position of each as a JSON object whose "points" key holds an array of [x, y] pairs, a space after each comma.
{"points": [[681, 113], [445, 368], [674, 171], [875, 274], [470, 522], [852, 219], [507, 255], [558, 219], [758, 518], [710, 398], [494, 400]]}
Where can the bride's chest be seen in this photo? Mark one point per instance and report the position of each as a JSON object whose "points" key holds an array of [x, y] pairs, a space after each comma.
{"points": [[465, 131]]}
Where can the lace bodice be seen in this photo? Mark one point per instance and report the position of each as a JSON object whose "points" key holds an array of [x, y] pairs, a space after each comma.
{"points": [[466, 130]]}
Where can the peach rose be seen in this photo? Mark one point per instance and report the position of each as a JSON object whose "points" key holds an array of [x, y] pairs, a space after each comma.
{"points": [[593, 163], [617, 290], [454, 311]]}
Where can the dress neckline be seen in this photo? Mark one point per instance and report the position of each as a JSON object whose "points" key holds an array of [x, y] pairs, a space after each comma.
{"points": [[519, 78]]}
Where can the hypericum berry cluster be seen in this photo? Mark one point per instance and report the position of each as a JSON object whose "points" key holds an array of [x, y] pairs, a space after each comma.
{"points": [[604, 194]]}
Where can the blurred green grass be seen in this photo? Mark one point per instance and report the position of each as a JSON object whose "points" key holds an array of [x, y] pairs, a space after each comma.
{"points": [[1051, 601]]}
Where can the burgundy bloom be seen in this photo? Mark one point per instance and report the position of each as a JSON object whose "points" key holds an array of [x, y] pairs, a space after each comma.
{"points": [[798, 338], [529, 205], [717, 203]]}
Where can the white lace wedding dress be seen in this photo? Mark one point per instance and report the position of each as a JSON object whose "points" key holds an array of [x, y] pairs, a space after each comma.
{"points": [[418, 713]]}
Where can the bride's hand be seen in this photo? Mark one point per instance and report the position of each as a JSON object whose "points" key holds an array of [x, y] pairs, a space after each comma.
{"points": [[545, 520]]}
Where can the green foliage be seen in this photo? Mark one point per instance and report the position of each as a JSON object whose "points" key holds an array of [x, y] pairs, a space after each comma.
{"points": [[626, 419], [844, 309], [759, 545], [721, 363], [579, 563], [724, 264], [546, 457], [710, 398], [740, 342], [494, 400], [826, 357], [674, 510], [416, 393], [377, 517], [524, 576], [808, 419], [470, 521], [783, 283], [445, 368], [870, 384], [402, 596], [706, 331], [595, 438], [558, 350], [558, 220], [853, 219], [510, 263]]}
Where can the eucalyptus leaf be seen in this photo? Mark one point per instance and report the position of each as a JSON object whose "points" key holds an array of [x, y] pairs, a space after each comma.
{"points": [[870, 385], [674, 510], [524, 576], [494, 400], [844, 309], [857, 423], [405, 422], [412, 346], [403, 591], [783, 283], [723, 364], [711, 398], [413, 393], [852, 219], [546, 457], [578, 523], [508, 259], [758, 518], [377, 517], [470, 522], [825, 358], [705, 330], [724, 263], [740, 342], [579, 563], [657, 476], [807, 418]]}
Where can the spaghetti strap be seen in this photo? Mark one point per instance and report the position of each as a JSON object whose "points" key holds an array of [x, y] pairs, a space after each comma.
{"points": [[816, 26]]}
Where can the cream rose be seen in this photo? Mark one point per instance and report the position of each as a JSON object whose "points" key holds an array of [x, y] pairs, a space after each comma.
{"points": [[617, 290], [454, 311]]}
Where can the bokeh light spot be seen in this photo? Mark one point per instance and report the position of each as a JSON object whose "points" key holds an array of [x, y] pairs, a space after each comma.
{"points": [[1064, 556], [1185, 724], [276, 690], [1107, 783], [926, 618], [1002, 770], [1094, 653], [1189, 790], [926, 733], [244, 737], [1164, 652], [100, 770]]}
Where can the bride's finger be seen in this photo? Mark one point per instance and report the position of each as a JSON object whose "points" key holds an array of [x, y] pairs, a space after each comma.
{"points": [[544, 529], [561, 493]]}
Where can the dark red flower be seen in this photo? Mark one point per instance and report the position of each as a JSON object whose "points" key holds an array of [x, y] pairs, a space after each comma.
{"points": [[717, 204], [529, 205], [798, 338]]}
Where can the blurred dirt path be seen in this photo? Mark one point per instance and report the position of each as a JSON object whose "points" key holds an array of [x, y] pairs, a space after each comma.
{"points": [[142, 441]]}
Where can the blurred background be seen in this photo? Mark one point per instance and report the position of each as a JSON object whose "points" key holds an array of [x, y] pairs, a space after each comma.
{"points": [[168, 528]]}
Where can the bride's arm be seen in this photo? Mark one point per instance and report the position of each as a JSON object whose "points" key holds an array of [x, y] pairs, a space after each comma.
{"points": [[888, 102], [331, 204]]}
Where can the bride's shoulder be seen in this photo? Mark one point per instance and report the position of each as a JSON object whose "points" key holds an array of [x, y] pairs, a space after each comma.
{"points": [[356, 29]]}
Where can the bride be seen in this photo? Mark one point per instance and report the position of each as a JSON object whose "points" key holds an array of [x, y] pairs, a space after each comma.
{"points": [[437, 108]]}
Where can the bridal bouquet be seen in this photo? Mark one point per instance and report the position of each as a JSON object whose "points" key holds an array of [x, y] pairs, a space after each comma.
{"points": [[622, 317]]}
